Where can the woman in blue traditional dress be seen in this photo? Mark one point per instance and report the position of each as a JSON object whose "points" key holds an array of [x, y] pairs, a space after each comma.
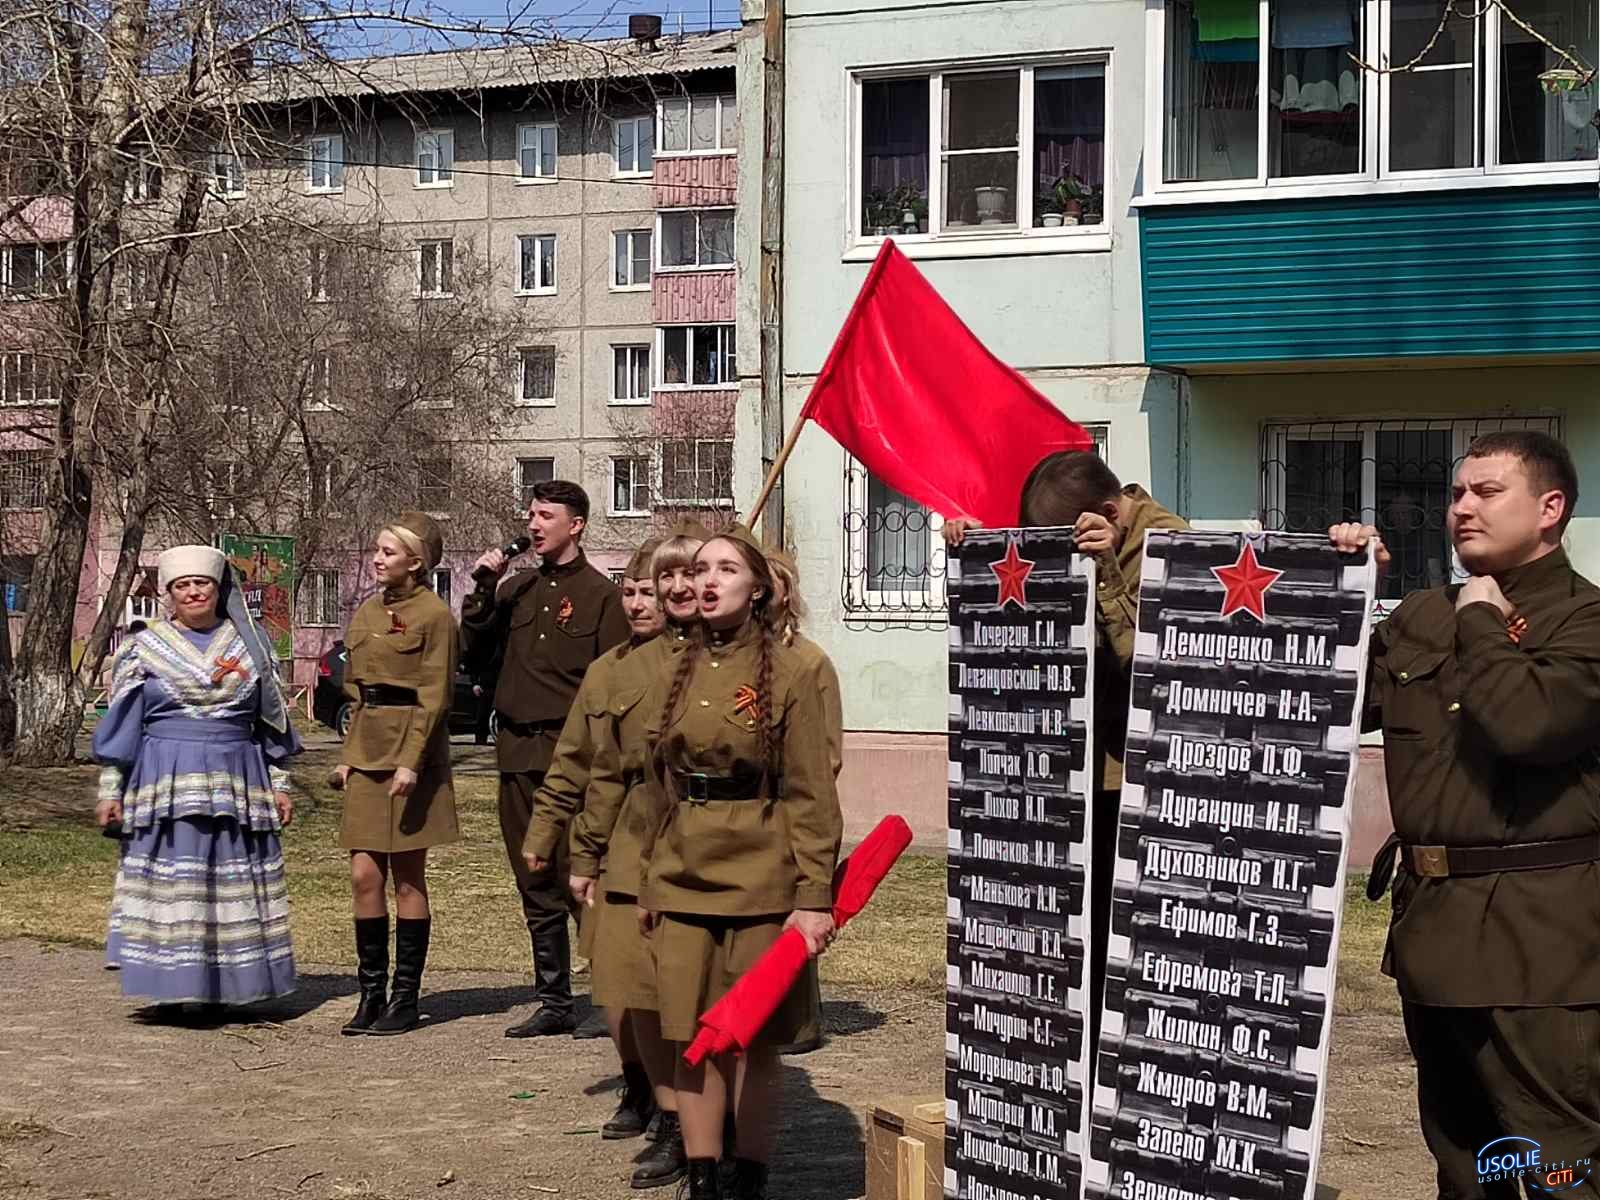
{"points": [[194, 745]]}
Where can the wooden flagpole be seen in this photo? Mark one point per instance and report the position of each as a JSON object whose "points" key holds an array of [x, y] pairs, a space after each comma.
{"points": [[777, 468]]}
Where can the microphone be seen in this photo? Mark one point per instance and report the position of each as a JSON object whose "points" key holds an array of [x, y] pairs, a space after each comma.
{"points": [[511, 550]]}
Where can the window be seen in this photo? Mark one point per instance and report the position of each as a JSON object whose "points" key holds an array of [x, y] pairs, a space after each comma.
{"points": [[536, 152], [222, 490], [436, 158], [325, 272], [141, 278], [630, 487], [144, 177], [324, 383], [22, 478], [227, 173], [433, 485], [325, 163], [633, 142], [434, 274], [318, 597], [631, 257], [33, 270], [536, 264], [27, 378], [697, 472], [144, 596], [1273, 94], [698, 356], [699, 125], [1393, 474], [996, 151], [435, 377], [536, 374], [631, 376], [325, 487], [441, 583], [697, 238], [531, 472]]}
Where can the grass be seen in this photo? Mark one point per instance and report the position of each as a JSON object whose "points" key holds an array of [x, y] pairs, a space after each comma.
{"points": [[56, 873]]}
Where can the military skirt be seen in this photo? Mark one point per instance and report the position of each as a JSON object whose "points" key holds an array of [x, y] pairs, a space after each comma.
{"points": [[699, 958], [622, 972], [376, 822]]}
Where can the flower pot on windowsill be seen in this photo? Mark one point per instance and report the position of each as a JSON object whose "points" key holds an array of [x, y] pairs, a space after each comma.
{"points": [[991, 204], [1051, 220], [1072, 210]]}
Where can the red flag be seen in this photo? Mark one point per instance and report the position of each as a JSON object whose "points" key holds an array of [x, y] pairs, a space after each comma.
{"points": [[925, 406]]}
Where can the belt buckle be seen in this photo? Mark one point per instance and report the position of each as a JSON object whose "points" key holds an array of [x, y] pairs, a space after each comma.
{"points": [[698, 794], [1431, 862]]}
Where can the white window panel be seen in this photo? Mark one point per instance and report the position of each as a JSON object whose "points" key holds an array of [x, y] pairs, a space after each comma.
{"points": [[699, 125], [697, 471], [630, 487], [144, 177], [317, 598], [698, 356], [631, 259], [33, 270], [536, 152], [227, 173], [633, 146], [531, 472], [696, 239], [325, 272], [28, 378], [630, 382], [434, 486], [325, 163], [435, 267], [536, 374], [440, 583], [436, 158], [536, 264]]}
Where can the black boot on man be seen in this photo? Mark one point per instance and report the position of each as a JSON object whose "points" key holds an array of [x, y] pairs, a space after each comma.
{"points": [[372, 972], [665, 1162], [703, 1182], [749, 1180], [552, 985], [410, 956], [637, 1107]]}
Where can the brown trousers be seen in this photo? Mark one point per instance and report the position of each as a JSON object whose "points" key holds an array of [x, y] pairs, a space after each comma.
{"points": [[1525, 1074]]}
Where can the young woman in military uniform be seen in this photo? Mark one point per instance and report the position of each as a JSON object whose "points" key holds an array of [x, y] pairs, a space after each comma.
{"points": [[742, 843], [395, 770]]}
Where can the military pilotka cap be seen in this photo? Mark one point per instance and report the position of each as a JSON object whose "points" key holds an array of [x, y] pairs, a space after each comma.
{"points": [[421, 535], [639, 565], [741, 534], [689, 528]]}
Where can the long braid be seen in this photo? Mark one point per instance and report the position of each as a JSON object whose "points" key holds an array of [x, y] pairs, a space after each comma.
{"points": [[680, 681], [764, 699]]}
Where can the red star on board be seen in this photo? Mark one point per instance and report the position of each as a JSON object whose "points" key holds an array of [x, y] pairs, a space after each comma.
{"points": [[1011, 573], [1246, 582]]}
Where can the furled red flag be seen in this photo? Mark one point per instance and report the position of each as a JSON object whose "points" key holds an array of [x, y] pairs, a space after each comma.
{"points": [[925, 406], [733, 1022]]}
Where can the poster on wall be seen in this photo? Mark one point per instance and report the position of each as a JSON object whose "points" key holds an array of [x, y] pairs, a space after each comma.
{"points": [[1243, 730], [264, 566], [1016, 1065]]}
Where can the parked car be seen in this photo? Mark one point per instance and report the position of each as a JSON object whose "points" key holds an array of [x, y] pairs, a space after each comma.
{"points": [[331, 707]]}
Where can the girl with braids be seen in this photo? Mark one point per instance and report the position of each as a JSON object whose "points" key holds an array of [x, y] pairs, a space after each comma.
{"points": [[743, 844]]}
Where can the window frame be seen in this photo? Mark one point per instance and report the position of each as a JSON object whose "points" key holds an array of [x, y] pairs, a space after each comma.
{"points": [[1376, 176], [223, 504], [721, 100], [629, 350], [542, 287], [444, 158], [42, 260], [449, 583], [325, 591], [977, 241], [442, 481], [143, 184], [538, 129], [697, 443], [636, 463], [332, 159], [699, 212], [617, 125], [1277, 432], [23, 460], [444, 266], [629, 237], [523, 488], [223, 182], [38, 371], [728, 334], [524, 354]]}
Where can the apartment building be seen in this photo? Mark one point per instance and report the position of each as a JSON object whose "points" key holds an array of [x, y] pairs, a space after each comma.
{"points": [[589, 189]]}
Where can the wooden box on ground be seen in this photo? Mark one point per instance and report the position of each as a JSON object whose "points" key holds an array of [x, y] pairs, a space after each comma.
{"points": [[919, 1118]]}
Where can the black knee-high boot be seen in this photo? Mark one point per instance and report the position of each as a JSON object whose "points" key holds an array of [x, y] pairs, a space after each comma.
{"points": [[410, 956], [372, 972], [704, 1181]]}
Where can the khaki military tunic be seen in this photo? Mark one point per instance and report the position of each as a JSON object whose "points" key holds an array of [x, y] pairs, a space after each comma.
{"points": [[1492, 742], [1117, 574], [546, 626], [403, 638]]}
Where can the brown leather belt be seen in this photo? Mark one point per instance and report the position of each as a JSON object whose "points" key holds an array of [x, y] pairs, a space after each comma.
{"points": [[1445, 862], [530, 728], [386, 695], [696, 788]]}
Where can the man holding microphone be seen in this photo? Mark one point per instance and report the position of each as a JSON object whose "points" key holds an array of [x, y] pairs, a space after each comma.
{"points": [[544, 626], [1488, 695]]}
